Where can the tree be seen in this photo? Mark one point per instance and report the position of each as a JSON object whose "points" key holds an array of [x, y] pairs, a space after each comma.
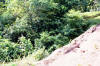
{"points": [[40, 15]]}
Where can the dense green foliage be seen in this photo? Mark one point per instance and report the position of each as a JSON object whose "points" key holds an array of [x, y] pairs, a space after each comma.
{"points": [[10, 50], [50, 42], [49, 24]]}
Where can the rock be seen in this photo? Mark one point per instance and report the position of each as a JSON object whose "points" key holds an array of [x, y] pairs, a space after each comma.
{"points": [[82, 51]]}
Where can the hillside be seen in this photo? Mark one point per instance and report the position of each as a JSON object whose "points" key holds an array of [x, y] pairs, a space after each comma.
{"points": [[87, 43], [82, 51], [31, 31]]}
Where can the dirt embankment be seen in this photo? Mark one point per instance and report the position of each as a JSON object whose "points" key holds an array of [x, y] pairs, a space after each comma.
{"points": [[82, 51]]}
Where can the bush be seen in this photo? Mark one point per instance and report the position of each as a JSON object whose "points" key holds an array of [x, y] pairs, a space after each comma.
{"points": [[10, 51], [50, 42], [2, 7], [20, 27], [40, 54], [74, 24], [26, 45], [7, 18]]}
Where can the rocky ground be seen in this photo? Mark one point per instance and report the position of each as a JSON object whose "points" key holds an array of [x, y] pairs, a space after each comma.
{"points": [[82, 51]]}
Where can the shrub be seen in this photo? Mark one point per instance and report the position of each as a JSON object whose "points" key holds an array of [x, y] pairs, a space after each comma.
{"points": [[20, 27], [40, 54], [2, 7], [74, 24], [10, 51], [27, 45], [50, 42], [7, 18]]}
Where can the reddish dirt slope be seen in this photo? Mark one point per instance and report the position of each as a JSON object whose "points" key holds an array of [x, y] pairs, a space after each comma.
{"points": [[82, 51]]}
